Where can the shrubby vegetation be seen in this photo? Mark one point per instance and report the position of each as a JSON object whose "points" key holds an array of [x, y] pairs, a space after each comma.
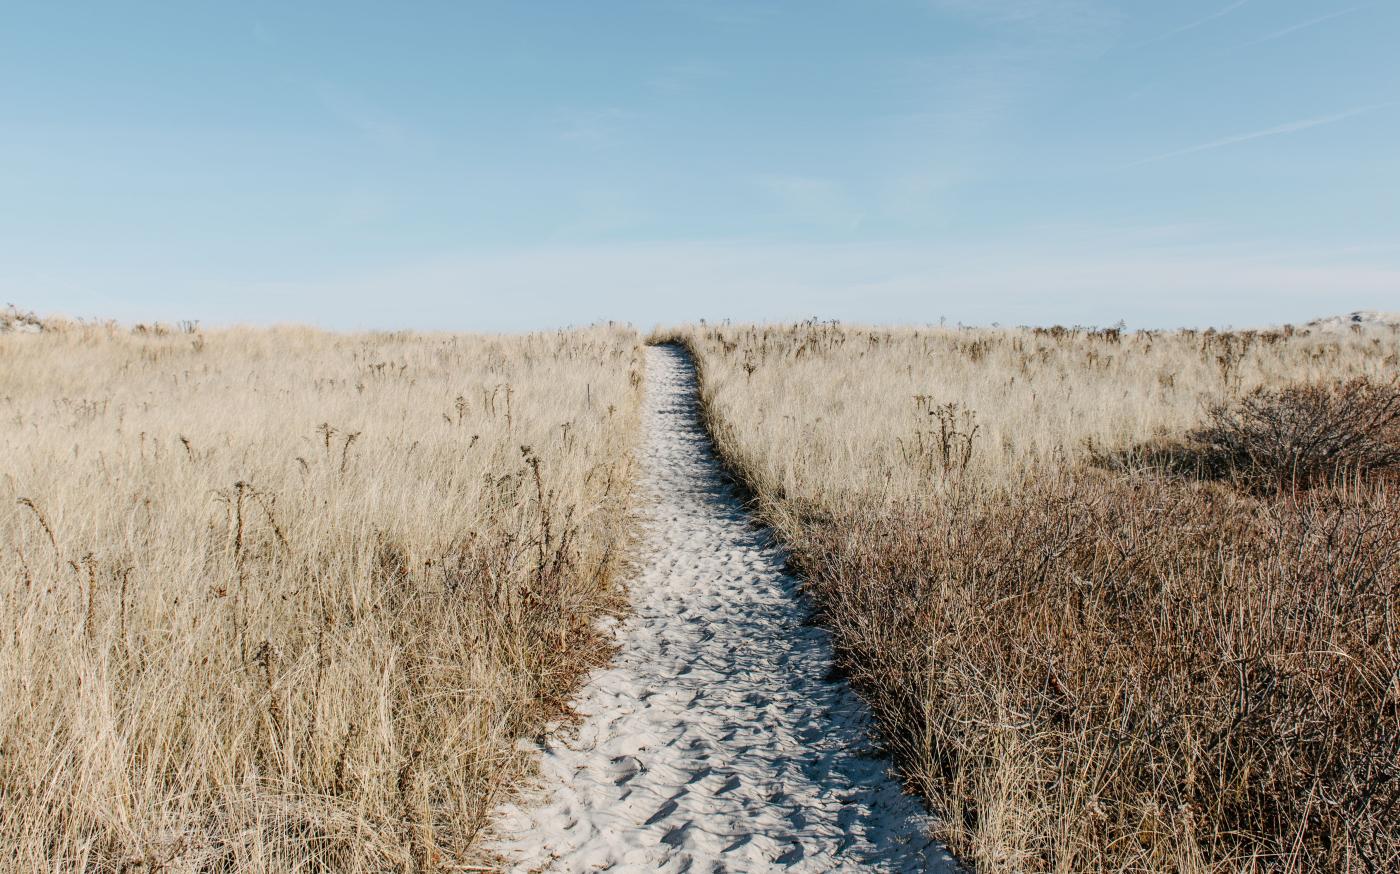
{"points": [[1120, 601]]}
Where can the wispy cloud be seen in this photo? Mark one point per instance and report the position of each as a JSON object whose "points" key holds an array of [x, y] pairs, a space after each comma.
{"points": [[812, 200], [1200, 22], [967, 101], [1290, 127], [592, 128], [1304, 25], [263, 35], [1066, 25], [358, 207], [1054, 279], [370, 121], [725, 14], [686, 77]]}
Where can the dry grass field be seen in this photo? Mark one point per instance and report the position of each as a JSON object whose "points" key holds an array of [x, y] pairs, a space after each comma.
{"points": [[279, 600], [1120, 601]]}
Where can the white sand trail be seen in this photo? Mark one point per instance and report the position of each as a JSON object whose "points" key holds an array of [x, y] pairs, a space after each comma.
{"points": [[715, 741]]}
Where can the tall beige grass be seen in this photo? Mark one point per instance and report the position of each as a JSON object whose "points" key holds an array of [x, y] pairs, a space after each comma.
{"points": [[280, 600], [884, 412], [1088, 659]]}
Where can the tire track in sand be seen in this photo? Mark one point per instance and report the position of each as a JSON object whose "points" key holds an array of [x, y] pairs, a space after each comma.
{"points": [[714, 742]]}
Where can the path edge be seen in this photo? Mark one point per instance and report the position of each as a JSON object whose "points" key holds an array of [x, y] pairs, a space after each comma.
{"points": [[759, 509]]}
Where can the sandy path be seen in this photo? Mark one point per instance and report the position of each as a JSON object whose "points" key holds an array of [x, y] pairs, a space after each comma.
{"points": [[714, 741]]}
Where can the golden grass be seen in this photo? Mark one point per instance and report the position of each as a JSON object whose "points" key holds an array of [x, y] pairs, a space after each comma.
{"points": [[283, 600], [1088, 660], [868, 411]]}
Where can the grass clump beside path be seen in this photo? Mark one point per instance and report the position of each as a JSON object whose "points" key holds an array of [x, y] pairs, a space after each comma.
{"points": [[1120, 602], [284, 600]]}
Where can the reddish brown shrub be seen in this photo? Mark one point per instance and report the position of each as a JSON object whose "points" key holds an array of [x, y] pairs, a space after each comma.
{"points": [[1305, 435], [1104, 673]]}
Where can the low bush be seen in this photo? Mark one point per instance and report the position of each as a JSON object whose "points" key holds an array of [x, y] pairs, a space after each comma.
{"points": [[1300, 436]]}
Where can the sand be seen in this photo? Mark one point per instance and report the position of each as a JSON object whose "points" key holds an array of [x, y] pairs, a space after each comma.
{"points": [[715, 741], [1363, 320]]}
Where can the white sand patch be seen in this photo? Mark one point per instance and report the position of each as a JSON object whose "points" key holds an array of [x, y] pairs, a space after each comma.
{"points": [[14, 321], [714, 742], [1361, 319]]}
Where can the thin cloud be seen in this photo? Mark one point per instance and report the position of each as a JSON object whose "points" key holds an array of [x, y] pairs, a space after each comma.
{"points": [[594, 128], [1051, 278], [1291, 127], [1303, 25], [812, 200], [1219, 13], [1072, 25], [367, 119]]}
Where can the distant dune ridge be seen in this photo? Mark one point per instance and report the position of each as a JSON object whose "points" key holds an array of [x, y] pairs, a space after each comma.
{"points": [[1362, 319], [16, 321]]}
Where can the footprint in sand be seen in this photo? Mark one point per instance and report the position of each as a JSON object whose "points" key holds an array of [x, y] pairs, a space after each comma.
{"points": [[753, 759]]}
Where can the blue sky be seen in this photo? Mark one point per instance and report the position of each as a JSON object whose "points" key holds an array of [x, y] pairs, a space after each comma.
{"points": [[512, 165]]}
